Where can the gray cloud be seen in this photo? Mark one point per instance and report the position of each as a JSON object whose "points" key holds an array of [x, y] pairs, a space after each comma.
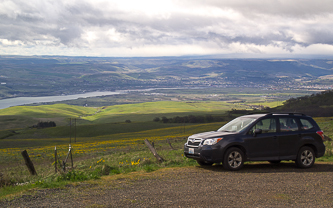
{"points": [[294, 8], [259, 23]]}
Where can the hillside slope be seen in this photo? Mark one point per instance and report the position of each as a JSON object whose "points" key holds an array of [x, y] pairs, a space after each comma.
{"points": [[320, 104], [26, 116]]}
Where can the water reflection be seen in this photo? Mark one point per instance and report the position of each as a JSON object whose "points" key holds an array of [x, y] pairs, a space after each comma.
{"points": [[5, 103]]}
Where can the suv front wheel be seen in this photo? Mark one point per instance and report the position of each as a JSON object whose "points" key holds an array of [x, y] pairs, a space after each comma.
{"points": [[305, 157], [233, 159], [204, 163]]}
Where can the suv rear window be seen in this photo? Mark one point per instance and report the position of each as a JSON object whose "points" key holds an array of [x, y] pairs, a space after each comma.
{"points": [[306, 124]]}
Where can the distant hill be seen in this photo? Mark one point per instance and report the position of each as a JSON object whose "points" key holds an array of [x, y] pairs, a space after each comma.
{"points": [[320, 104], [43, 76]]}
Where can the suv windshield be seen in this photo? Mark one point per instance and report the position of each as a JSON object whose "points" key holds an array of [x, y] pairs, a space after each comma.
{"points": [[237, 124]]}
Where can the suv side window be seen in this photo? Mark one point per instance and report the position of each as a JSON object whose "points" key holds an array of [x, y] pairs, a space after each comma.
{"points": [[267, 125], [306, 124], [288, 124]]}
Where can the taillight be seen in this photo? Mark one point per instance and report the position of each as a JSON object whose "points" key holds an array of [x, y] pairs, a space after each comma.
{"points": [[321, 134]]}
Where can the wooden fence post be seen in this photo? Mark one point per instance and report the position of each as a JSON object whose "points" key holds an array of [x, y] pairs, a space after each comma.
{"points": [[169, 143], [63, 166], [152, 149], [75, 129], [70, 130], [28, 162], [70, 150], [1, 175], [65, 161], [55, 159]]}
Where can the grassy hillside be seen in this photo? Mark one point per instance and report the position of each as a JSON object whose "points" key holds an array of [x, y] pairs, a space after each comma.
{"points": [[25, 116], [320, 104], [104, 138], [103, 124], [49, 111], [94, 124], [147, 111]]}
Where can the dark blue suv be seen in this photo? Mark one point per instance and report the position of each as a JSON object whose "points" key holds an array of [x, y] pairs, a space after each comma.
{"points": [[259, 137]]}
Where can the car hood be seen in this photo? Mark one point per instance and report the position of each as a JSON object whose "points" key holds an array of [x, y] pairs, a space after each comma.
{"points": [[211, 134]]}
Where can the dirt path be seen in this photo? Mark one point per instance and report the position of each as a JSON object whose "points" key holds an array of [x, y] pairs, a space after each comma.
{"points": [[256, 185]]}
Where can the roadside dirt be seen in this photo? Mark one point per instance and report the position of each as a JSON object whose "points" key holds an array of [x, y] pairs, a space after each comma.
{"points": [[256, 185]]}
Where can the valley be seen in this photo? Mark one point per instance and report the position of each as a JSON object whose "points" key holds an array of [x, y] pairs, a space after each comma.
{"points": [[59, 75]]}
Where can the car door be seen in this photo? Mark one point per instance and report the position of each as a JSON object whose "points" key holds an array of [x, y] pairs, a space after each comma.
{"points": [[263, 146], [288, 136]]}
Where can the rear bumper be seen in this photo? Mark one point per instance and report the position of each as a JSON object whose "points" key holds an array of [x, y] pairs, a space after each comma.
{"points": [[321, 151]]}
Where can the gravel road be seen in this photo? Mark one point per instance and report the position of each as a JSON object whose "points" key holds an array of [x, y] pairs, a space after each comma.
{"points": [[256, 185]]}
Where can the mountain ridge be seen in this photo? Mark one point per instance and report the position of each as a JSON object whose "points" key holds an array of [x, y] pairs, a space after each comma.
{"points": [[40, 76]]}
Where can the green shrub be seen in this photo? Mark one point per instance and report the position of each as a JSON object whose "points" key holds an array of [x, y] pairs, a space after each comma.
{"points": [[115, 170], [74, 176], [149, 168]]}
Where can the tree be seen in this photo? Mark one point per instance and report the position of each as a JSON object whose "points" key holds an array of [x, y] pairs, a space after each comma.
{"points": [[45, 124], [156, 119], [209, 118], [165, 119]]}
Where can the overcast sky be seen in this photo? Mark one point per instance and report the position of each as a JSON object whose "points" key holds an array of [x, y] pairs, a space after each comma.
{"points": [[166, 28]]}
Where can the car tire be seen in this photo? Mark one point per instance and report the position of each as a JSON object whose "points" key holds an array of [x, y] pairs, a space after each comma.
{"points": [[204, 163], [305, 157], [274, 161], [233, 159]]}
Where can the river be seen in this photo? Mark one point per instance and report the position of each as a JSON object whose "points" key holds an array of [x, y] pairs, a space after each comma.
{"points": [[5, 103]]}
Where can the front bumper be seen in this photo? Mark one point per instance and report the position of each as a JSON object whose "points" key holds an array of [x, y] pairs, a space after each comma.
{"points": [[204, 153]]}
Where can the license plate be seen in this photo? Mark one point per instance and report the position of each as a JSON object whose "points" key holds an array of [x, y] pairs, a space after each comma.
{"points": [[190, 150]]}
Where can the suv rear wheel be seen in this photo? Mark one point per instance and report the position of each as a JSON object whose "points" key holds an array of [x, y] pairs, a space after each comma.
{"points": [[305, 157], [233, 159], [274, 161]]}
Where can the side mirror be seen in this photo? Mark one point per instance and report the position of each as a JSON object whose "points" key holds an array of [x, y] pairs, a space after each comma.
{"points": [[256, 132]]}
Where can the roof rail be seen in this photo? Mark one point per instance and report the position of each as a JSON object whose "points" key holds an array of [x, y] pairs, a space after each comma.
{"points": [[302, 114], [264, 112]]}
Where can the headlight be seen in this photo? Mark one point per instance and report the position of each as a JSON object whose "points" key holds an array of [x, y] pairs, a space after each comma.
{"points": [[212, 141]]}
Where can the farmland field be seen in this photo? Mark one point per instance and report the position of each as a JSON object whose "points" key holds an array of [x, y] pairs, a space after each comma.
{"points": [[102, 137], [24, 116], [102, 129], [95, 132]]}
